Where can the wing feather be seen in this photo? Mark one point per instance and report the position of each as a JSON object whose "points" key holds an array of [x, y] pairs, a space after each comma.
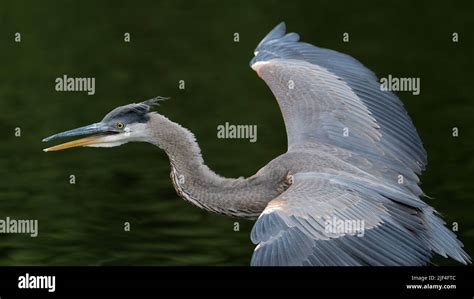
{"points": [[293, 229], [333, 105], [334, 93]]}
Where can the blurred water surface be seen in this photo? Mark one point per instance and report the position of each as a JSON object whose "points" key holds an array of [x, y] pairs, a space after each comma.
{"points": [[83, 224]]}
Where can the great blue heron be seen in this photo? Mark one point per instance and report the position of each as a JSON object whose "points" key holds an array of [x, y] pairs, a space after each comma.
{"points": [[353, 155]]}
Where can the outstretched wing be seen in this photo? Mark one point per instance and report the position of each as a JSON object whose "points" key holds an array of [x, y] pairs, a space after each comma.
{"points": [[326, 220], [330, 100], [329, 97]]}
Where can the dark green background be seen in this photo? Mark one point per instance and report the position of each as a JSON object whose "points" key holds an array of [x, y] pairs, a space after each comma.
{"points": [[82, 224]]}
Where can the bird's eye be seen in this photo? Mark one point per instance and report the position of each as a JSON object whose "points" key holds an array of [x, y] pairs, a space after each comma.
{"points": [[120, 125]]}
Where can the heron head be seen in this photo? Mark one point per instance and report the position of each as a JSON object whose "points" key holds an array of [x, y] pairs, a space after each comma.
{"points": [[121, 125]]}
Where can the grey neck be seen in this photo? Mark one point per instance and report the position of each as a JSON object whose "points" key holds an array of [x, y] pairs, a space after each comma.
{"points": [[195, 182]]}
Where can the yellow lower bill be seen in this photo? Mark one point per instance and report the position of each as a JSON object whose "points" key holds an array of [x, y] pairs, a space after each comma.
{"points": [[75, 143]]}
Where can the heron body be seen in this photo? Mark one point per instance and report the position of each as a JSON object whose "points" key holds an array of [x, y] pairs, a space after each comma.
{"points": [[353, 155]]}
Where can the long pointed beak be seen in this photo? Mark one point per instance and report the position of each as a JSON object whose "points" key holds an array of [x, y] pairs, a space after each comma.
{"points": [[99, 129]]}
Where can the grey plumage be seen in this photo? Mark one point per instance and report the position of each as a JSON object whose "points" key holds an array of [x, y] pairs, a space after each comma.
{"points": [[348, 144], [131, 113], [332, 92]]}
